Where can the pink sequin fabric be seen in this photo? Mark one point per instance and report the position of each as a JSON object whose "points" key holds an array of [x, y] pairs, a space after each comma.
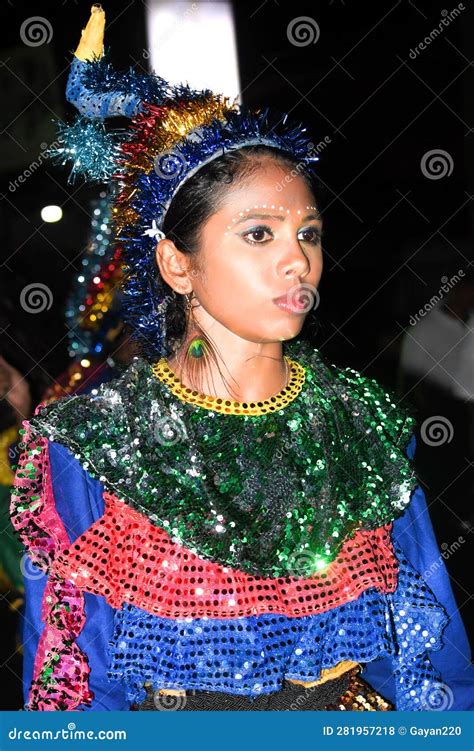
{"points": [[61, 671]]}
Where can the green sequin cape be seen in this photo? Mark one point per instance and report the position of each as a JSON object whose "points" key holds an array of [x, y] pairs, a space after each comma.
{"points": [[273, 494]]}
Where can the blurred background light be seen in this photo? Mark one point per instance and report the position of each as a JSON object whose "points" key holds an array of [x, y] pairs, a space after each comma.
{"points": [[185, 41], [51, 213]]}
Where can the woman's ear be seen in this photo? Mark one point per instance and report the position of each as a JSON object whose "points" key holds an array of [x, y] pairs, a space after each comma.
{"points": [[174, 266]]}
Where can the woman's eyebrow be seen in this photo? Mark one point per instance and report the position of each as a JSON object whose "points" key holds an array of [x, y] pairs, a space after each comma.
{"points": [[276, 216]]}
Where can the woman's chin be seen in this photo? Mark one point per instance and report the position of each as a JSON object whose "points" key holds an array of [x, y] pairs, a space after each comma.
{"points": [[283, 332], [291, 327]]}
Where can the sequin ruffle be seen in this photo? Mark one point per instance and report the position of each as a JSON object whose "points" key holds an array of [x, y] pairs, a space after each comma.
{"points": [[251, 656], [126, 559]]}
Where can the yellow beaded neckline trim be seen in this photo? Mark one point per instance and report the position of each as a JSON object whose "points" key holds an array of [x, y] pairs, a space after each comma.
{"points": [[163, 372]]}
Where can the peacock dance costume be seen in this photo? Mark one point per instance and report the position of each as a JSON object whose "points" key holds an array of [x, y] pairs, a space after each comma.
{"points": [[204, 553]]}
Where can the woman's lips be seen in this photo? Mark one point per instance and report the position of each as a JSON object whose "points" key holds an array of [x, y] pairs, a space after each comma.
{"points": [[291, 304]]}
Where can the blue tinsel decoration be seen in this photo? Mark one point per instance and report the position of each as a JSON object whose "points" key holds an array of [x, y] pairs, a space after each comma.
{"points": [[99, 77], [88, 148]]}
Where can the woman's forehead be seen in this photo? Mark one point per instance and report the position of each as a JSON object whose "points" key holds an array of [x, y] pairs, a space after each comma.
{"points": [[266, 193]]}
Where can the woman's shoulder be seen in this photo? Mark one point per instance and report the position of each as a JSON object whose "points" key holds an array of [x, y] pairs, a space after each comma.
{"points": [[107, 405]]}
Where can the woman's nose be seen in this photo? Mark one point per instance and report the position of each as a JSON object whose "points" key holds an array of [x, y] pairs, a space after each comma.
{"points": [[295, 262]]}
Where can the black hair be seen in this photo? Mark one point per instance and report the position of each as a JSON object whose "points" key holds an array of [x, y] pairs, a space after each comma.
{"points": [[199, 198]]}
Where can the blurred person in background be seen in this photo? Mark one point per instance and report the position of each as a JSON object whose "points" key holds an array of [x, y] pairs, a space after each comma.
{"points": [[437, 376]]}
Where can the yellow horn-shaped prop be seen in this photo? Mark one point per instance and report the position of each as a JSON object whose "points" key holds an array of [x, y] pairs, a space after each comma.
{"points": [[92, 37]]}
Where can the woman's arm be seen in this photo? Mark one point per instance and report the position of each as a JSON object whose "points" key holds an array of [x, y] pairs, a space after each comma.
{"points": [[414, 534], [78, 502]]}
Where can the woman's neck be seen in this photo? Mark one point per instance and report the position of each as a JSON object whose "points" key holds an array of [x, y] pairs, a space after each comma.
{"points": [[247, 375]]}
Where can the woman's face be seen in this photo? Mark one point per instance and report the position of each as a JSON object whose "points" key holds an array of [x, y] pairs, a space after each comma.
{"points": [[263, 243]]}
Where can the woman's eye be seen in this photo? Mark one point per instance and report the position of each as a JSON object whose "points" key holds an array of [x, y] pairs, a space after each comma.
{"points": [[311, 235], [262, 234], [256, 235]]}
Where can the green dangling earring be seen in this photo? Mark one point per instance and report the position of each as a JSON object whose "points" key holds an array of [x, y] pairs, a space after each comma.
{"points": [[197, 347], [199, 352]]}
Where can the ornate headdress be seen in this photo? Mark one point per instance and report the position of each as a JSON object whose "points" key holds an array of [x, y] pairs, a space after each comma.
{"points": [[174, 131]]}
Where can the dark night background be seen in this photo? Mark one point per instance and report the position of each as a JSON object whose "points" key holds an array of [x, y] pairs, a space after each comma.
{"points": [[390, 232]]}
